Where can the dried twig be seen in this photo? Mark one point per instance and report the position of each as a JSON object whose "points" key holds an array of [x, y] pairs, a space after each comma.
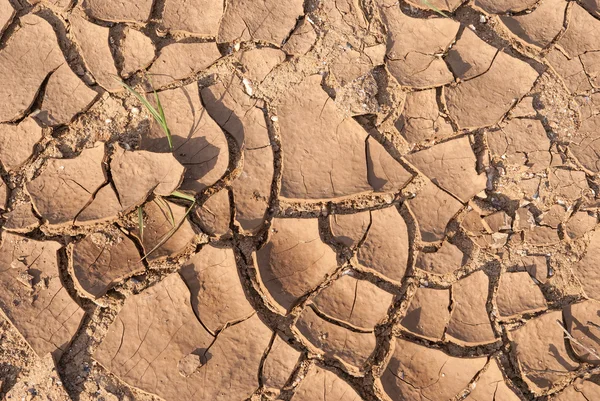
{"points": [[571, 338]]}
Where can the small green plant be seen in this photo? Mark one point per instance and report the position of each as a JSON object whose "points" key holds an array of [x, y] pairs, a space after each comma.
{"points": [[181, 195], [141, 222], [160, 202], [171, 232], [158, 113], [174, 225], [434, 8]]}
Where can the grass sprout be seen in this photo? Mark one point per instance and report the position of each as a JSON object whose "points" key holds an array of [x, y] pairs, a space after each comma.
{"points": [[434, 8], [141, 222], [174, 225], [165, 205], [158, 113], [181, 195], [171, 232]]}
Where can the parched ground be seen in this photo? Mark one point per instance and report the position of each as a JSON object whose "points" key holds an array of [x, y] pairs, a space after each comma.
{"points": [[362, 200]]}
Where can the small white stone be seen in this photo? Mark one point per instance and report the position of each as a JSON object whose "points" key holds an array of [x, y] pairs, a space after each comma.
{"points": [[108, 121], [274, 118], [482, 19], [248, 86], [472, 27], [135, 110]]}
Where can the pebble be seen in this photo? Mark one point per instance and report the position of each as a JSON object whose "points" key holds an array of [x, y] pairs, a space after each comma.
{"points": [[108, 121], [135, 110], [248, 87], [274, 118], [482, 19]]}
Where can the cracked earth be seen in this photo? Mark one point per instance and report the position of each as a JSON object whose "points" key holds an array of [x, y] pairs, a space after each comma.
{"points": [[394, 201]]}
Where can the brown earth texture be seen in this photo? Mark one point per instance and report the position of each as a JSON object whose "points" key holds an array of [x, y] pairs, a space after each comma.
{"points": [[356, 200]]}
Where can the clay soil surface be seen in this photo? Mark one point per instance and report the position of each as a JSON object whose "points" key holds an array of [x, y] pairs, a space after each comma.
{"points": [[356, 200]]}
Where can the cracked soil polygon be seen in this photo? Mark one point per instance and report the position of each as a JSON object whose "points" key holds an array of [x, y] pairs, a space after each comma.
{"points": [[386, 248], [217, 293], [428, 313], [119, 10], [102, 259], [22, 77], [198, 142], [331, 161], [33, 298], [541, 26], [65, 96], [268, 21], [147, 354], [421, 120], [279, 364], [178, 61], [95, 51], [483, 100], [197, 17], [323, 385], [517, 294], [294, 260], [137, 51], [416, 62], [541, 353], [581, 320], [354, 302], [18, 142], [447, 259], [415, 372], [469, 320]]}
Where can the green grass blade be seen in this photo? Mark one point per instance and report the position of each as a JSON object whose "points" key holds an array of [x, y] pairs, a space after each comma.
{"points": [[170, 233], [141, 222], [163, 120], [164, 204], [143, 100], [171, 217], [434, 8], [158, 115], [181, 195]]}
